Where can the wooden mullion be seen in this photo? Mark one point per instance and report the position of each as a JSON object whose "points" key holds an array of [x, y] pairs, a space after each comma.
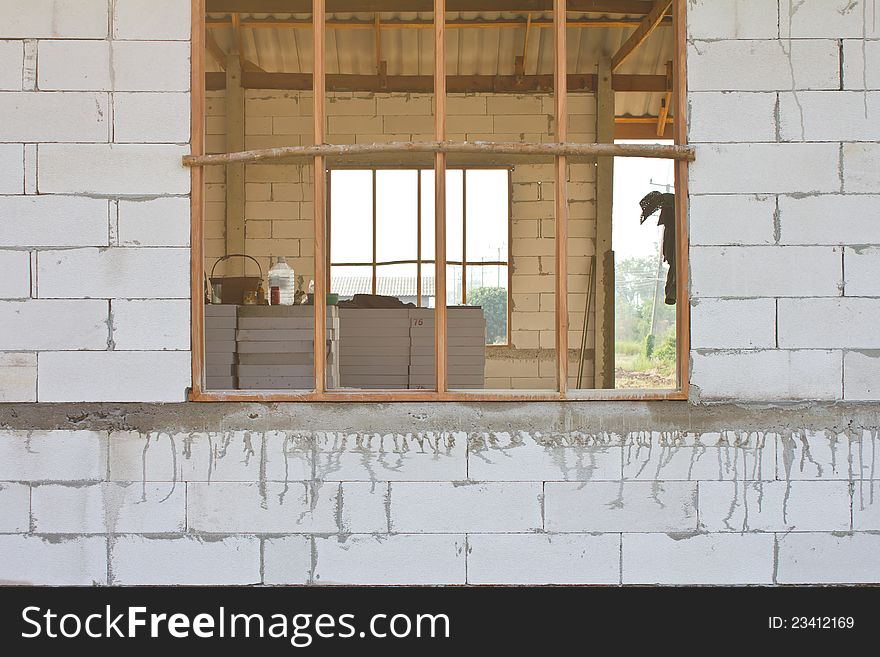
{"points": [[561, 105], [197, 141], [440, 195], [375, 285], [419, 238], [319, 190], [464, 262], [682, 309]]}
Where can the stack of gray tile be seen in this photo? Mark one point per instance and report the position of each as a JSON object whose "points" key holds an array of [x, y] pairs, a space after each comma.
{"points": [[220, 325], [275, 347], [466, 348], [374, 348]]}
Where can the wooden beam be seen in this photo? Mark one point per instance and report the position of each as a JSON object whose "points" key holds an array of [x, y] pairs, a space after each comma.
{"points": [[604, 283], [439, 81], [417, 24], [215, 50], [642, 32], [235, 174], [682, 268], [197, 219], [666, 102], [237, 38], [639, 7], [560, 73], [643, 131], [519, 64], [552, 149], [378, 37], [425, 83]]}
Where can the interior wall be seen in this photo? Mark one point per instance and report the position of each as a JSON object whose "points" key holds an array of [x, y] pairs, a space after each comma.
{"points": [[278, 208]]}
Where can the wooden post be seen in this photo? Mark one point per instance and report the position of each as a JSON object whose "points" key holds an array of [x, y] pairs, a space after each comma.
{"points": [[197, 141], [320, 198], [682, 308], [560, 91], [604, 293], [234, 172], [440, 195]]}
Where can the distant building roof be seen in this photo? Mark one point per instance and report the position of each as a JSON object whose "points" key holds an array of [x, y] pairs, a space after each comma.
{"points": [[392, 286]]}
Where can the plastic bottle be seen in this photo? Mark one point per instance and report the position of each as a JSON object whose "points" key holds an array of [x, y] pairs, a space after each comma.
{"points": [[282, 277]]}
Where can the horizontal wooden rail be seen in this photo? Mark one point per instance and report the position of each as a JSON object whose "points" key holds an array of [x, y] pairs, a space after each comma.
{"points": [[570, 149]]}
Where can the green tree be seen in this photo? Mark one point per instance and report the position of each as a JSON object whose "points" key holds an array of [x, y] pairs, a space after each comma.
{"points": [[494, 303]]}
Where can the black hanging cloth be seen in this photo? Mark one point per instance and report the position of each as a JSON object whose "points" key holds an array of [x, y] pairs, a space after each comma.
{"points": [[666, 204]]}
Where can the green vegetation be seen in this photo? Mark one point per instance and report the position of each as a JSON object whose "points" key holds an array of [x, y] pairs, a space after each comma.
{"points": [[494, 303]]}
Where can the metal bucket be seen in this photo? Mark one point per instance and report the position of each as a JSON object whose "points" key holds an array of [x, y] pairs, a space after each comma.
{"points": [[231, 289]]}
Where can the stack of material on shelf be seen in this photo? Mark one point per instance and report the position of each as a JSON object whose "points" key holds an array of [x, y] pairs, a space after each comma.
{"points": [[374, 348], [466, 348], [220, 325], [276, 347]]}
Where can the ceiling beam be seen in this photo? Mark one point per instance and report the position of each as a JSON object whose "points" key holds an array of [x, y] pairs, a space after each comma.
{"points": [[642, 32], [640, 7], [215, 50], [425, 83]]}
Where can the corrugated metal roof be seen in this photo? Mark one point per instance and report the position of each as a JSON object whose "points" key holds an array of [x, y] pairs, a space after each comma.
{"points": [[392, 286], [470, 51]]}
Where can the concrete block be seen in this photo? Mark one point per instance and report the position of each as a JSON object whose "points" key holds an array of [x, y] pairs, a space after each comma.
{"points": [[145, 376], [829, 219], [733, 323], [828, 558], [865, 507], [616, 507], [286, 507], [152, 19], [113, 169], [151, 117], [763, 65], [113, 508], [748, 117], [16, 281], [145, 325], [168, 70], [74, 66], [767, 375], [39, 561], [53, 455], [539, 559], [185, 561], [156, 222], [860, 172], [11, 64], [708, 457], [114, 273], [38, 324], [861, 267], [49, 19], [845, 323], [816, 19], [812, 455], [15, 505], [502, 457], [86, 116], [766, 271], [451, 507], [53, 221], [803, 116], [287, 560], [766, 169], [860, 64], [774, 506], [735, 19], [391, 560], [861, 375], [18, 377], [11, 169], [697, 559], [389, 457]]}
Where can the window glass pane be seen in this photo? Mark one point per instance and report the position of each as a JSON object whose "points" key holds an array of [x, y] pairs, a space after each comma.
{"points": [[487, 287], [454, 285], [427, 182], [351, 215], [348, 281], [396, 215], [454, 215], [486, 201], [397, 281]]}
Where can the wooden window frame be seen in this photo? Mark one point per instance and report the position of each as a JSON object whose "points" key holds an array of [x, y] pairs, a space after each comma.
{"points": [[419, 261], [440, 148]]}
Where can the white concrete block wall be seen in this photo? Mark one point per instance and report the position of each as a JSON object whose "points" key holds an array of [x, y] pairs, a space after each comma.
{"points": [[94, 203], [274, 508], [783, 113]]}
